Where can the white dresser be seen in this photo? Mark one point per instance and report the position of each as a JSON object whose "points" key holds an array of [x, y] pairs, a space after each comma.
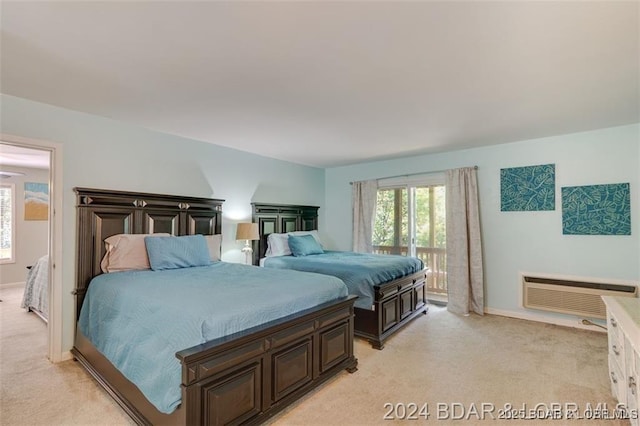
{"points": [[623, 326]]}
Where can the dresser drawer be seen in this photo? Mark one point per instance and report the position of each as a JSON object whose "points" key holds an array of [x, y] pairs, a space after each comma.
{"points": [[632, 358], [632, 361], [617, 380], [613, 327], [616, 342], [623, 329]]}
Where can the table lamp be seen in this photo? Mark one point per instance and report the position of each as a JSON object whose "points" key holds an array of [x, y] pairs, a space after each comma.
{"points": [[246, 232]]}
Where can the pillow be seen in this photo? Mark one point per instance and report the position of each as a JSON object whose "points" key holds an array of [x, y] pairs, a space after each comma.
{"points": [[177, 252], [126, 252], [278, 244], [214, 242], [313, 233], [304, 245]]}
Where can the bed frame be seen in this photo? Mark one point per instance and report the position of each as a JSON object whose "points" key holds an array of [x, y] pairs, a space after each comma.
{"points": [[242, 378], [395, 303]]}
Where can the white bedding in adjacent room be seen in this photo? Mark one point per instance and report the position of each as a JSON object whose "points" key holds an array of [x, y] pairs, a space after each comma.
{"points": [[36, 289]]}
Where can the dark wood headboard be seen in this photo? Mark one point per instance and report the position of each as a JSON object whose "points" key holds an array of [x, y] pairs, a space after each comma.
{"points": [[102, 213], [280, 218]]}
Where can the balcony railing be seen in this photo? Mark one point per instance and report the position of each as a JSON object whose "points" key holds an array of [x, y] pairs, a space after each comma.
{"points": [[433, 258]]}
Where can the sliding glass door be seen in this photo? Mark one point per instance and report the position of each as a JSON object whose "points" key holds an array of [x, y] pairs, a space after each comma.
{"points": [[431, 235], [391, 227], [410, 221]]}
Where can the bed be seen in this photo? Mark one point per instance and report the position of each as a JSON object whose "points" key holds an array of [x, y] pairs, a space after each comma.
{"points": [[226, 370], [390, 294], [36, 289]]}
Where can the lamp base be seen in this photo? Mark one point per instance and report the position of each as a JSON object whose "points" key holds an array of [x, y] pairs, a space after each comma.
{"points": [[248, 252]]}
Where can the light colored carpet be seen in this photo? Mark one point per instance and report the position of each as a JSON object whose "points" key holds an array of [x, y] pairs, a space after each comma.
{"points": [[442, 360]]}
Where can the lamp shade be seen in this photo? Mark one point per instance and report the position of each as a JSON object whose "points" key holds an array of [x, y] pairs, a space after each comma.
{"points": [[247, 231]]}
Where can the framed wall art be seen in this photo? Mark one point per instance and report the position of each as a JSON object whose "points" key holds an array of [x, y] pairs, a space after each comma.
{"points": [[530, 188], [596, 210]]}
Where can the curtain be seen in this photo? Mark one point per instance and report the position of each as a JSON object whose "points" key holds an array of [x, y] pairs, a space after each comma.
{"points": [[465, 279], [365, 196]]}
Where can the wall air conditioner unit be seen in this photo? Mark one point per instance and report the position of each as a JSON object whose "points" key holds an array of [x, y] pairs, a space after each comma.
{"points": [[572, 296]]}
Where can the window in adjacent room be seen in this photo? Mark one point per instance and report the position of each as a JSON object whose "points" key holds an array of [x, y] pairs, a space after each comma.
{"points": [[410, 221], [7, 223]]}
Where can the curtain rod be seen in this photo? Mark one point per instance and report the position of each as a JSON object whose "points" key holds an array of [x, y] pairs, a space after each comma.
{"points": [[413, 174]]}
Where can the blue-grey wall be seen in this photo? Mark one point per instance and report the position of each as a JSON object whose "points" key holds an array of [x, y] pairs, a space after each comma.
{"points": [[522, 241], [103, 153]]}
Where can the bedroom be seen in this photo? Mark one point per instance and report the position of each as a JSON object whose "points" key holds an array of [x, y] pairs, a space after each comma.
{"points": [[25, 176], [101, 150]]}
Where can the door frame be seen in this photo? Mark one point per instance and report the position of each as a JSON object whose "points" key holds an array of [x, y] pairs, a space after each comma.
{"points": [[56, 196]]}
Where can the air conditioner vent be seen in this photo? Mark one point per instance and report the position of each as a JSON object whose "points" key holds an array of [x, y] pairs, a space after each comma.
{"points": [[570, 296]]}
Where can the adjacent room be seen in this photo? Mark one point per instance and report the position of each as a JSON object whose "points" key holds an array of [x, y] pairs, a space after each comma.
{"points": [[341, 213]]}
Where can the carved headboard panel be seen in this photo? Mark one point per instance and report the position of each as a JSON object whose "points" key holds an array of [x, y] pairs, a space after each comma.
{"points": [[280, 218], [102, 213]]}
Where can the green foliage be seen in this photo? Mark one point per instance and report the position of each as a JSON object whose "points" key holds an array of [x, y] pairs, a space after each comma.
{"points": [[430, 226], [430, 234], [385, 218]]}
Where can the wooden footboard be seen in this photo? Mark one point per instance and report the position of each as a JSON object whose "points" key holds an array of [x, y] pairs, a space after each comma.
{"points": [[243, 378], [395, 304]]}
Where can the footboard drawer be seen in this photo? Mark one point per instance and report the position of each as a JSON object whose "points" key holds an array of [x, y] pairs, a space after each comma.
{"points": [[292, 368], [334, 346], [233, 398], [389, 313], [406, 303]]}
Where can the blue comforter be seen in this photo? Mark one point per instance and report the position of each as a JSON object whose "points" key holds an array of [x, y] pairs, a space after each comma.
{"points": [[359, 271], [140, 319]]}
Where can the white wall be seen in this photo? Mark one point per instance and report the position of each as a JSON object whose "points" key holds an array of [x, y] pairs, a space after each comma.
{"points": [[103, 153], [32, 236], [522, 241]]}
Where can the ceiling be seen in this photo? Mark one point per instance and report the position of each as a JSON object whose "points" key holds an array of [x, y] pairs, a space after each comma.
{"points": [[11, 155], [332, 83]]}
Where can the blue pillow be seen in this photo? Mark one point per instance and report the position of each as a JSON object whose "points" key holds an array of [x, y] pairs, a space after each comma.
{"points": [[177, 252], [304, 245]]}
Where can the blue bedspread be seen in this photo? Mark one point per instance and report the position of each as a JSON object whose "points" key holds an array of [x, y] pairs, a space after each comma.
{"points": [[359, 271], [140, 319]]}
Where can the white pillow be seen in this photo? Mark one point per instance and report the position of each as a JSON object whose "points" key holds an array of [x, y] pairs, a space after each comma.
{"points": [[278, 244], [214, 242], [126, 252]]}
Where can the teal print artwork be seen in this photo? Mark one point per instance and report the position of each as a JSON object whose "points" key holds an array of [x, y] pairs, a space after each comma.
{"points": [[530, 188], [596, 210]]}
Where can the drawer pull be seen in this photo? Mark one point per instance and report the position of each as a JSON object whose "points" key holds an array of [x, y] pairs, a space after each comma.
{"points": [[632, 385], [614, 323], [613, 377], [615, 349]]}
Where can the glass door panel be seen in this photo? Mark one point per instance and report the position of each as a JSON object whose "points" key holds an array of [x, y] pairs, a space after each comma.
{"points": [[430, 235], [391, 227], [411, 221]]}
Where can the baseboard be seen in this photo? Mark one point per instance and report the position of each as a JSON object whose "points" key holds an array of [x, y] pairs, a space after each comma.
{"points": [[565, 322], [66, 356], [11, 285], [437, 302]]}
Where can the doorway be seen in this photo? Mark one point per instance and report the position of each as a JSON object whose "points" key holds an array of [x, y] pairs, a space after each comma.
{"points": [[28, 156]]}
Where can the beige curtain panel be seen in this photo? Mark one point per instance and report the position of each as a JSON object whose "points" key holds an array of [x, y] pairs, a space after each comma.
{"points": [[465, 276], [365, 196]]}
